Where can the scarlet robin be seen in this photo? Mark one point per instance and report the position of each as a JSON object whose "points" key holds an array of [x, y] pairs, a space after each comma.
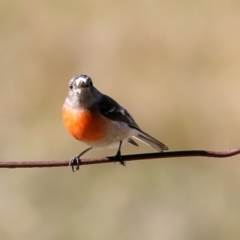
{"points": [[99, 121]]}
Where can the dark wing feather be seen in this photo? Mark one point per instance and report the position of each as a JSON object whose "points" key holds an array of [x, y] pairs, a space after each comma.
{"points": [[109, 108], [132, 142], [112, 110]]}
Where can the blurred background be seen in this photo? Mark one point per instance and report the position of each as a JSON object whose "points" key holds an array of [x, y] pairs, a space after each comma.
{"points": [[175, 65]]}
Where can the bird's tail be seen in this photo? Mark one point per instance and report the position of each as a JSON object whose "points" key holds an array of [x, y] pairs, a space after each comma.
{"points": [[150, 141]]}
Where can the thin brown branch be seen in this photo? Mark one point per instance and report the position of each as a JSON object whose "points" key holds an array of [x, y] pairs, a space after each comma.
{"points": [[173, 154]]}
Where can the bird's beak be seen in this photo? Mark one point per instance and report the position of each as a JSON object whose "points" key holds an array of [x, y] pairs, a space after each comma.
{"points": [[81, 84]]}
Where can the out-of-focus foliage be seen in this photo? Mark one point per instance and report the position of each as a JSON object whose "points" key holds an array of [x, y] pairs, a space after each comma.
{"points": [[175, 65]]}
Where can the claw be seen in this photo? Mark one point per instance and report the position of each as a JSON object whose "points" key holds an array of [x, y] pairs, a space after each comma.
{"points": [[118, 158], [75, 161]]}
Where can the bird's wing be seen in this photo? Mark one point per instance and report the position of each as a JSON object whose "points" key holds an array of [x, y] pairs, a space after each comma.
{"points": [[132, 142], [110, 109]]}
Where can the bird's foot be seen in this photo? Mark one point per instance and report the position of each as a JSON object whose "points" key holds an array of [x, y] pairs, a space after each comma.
{"points": [[75, 161], [118, 158]]}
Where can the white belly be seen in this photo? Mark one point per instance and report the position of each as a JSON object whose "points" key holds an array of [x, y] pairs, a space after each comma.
{"points": [[116, 132]]}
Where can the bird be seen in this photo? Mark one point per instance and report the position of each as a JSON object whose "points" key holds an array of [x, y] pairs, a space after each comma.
{"points": [[99, 121]]}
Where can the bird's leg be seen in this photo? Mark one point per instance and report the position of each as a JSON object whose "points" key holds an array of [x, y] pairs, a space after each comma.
{"points": [[118, 156], [76, 160]]}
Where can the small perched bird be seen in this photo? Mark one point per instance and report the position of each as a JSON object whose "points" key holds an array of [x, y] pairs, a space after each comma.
{"points": [[99, 121]]}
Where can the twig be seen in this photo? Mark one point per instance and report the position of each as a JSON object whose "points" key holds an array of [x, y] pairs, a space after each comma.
{"points": [[190, 153]]}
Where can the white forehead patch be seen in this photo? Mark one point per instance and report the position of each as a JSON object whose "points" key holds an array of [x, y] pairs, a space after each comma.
{"points": [[80, 79]]}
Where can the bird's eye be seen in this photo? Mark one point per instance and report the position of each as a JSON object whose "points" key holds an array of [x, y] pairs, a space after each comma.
{"points": [[90, 83], [70, 86]]}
